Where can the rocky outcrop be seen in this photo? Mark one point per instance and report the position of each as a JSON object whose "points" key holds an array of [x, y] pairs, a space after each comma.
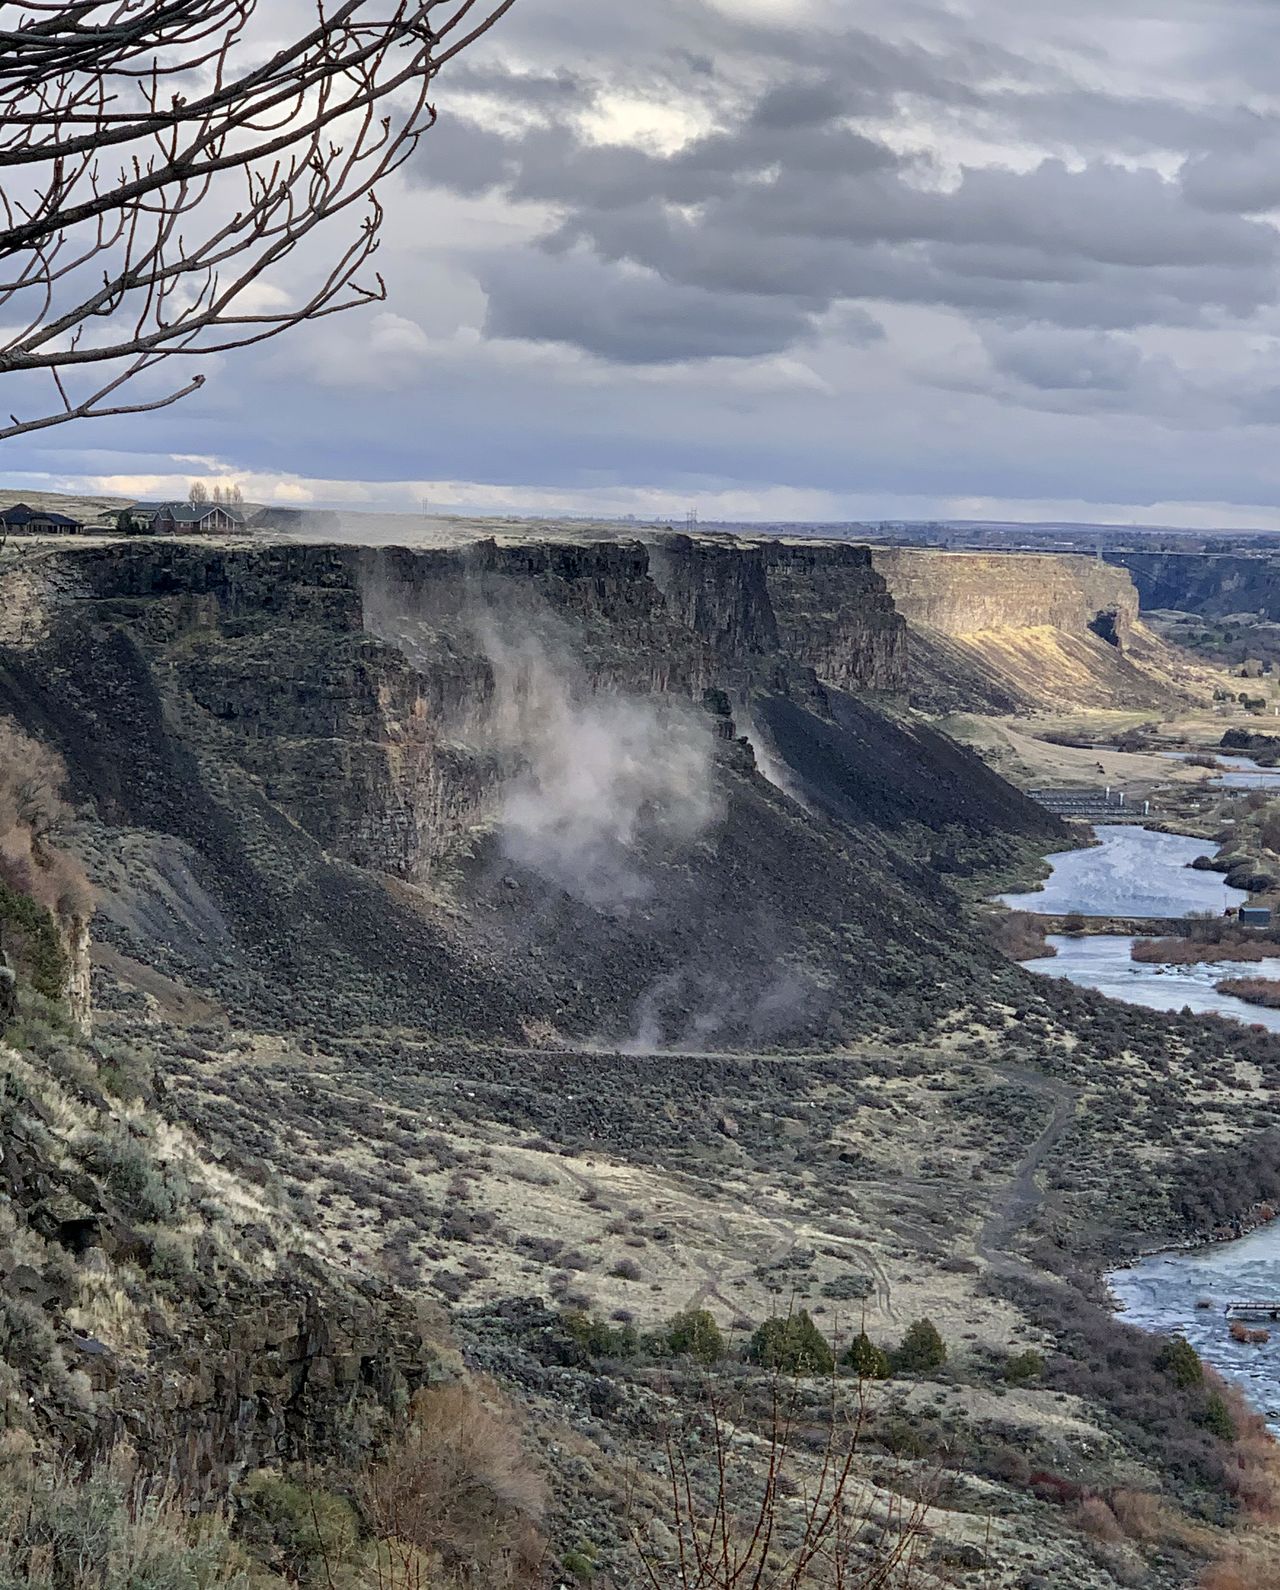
{"points": [[835, 613]]}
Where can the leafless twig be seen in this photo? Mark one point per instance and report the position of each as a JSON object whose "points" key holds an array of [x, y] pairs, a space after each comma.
{"points": [[158, 167]]}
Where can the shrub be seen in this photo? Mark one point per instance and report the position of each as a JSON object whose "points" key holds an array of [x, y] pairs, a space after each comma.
{"points": [[458, 1488], [792, 1343], [1180, 1361], [1019, 935], [867, 1361], [695, 1334], [1095, 1518], [1216, 1418], [59, 1528], [1025, 1366], [39, 947], [303, 1531], [149, 1193], [920, 1350], [598, 1338]]}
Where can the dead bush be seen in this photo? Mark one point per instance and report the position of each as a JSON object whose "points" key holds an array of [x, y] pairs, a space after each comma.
{"points": [[1142, 1515], [1020, 936], [458, 1492], [782, 1505], [31, 812], [1094, 1517]]}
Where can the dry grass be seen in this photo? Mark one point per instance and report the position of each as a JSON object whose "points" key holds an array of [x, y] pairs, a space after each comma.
{"points": [[457, 1502], [1262, 991], [1249, 1558], [31, 810], [108, 1528]]}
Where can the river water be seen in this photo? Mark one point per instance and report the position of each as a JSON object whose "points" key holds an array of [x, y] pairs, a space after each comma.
{"points": [[1242, 772], [1104, 963], [1135, 872], [1132, 871], [1160, 1294]]}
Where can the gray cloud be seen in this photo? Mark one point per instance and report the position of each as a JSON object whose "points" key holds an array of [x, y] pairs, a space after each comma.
{"points": [[1241, 180], [956, 252], [1054, 361], [633, 316], [791, 200]]}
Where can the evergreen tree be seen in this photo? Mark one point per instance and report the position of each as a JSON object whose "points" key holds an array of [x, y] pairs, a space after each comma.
{"points": [[867, 1361], [921, 1349], [695, 1334], [793, 1344]]}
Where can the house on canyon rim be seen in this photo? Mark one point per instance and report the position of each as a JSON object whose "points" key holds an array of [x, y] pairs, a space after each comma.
{"points": [[187, 518], [20, 520]]}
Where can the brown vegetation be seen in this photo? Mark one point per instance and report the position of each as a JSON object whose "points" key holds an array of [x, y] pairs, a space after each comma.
{"points": [[456, 1502], [786, 1507], [1020, 935], [31, 809], [1263, 991], [1194, 951]]}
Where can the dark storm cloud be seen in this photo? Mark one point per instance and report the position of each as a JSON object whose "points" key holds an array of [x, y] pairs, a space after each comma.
{"points": [[634, 316], [797, 197]]}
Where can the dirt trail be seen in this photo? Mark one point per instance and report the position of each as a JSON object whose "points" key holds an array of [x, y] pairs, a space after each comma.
{"points": [[1015, 1206]]}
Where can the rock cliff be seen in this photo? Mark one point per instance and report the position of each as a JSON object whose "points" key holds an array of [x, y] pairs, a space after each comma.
{"points": [[515, 734], [964, 593], [1208, 583], [1022, 631]]}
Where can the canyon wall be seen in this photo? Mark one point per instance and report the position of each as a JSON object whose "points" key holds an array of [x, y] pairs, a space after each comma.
{"points": [[499, 785], [1208, 583], [356, 686], [1023, 632], [964, 593], [360, 690]]}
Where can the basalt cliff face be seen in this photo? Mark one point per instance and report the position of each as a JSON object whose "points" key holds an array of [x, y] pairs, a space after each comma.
{"points": [[1023, 631], [964, 593], [263, 736]]}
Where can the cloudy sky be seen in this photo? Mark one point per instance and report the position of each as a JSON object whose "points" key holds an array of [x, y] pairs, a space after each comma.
{"points": [[794, 259]]}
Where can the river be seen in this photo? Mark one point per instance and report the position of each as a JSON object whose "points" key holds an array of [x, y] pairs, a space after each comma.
{"points": [[1104, 962], [1160, 1294], [1135, 872], [1241, 772], [1132, 871]]}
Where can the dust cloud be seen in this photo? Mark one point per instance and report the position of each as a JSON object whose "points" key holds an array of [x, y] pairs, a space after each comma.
{"points": [[601, 776]]}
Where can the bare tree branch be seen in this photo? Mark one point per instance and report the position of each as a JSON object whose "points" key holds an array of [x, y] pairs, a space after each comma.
{"points": [[155, 174]]}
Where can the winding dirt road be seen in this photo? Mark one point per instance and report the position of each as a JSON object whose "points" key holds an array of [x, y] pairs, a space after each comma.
{"points": [[1021, 1199]]}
